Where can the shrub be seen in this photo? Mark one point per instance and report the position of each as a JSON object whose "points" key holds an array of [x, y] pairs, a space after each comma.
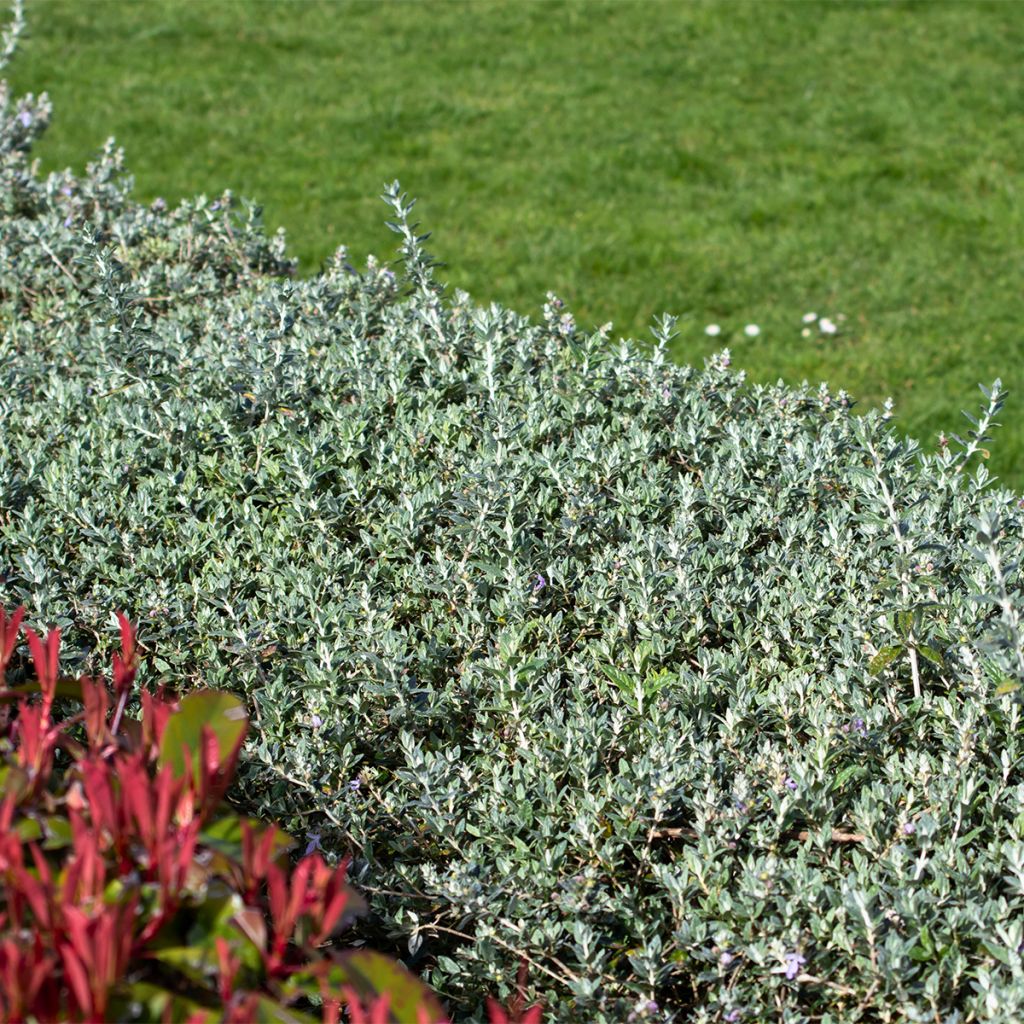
{"points": [[162, 904], [693, 693]]}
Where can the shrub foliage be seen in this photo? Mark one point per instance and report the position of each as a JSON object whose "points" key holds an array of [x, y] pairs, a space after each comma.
{"points": [[697, 695], [145, 899]]}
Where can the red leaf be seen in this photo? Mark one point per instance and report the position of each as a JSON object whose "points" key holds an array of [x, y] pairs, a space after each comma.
{"points": [[45, 876], [156, 710], [495, 1012], [137, 790], [37, 741], [127, 641], [168, 790], [497, 1015], [22, 973], [8, 637], [100, 795], [334, 900], [76, 977], [45, 661], [256, 857], [378, 1009], [95, 699], [297, 896], [228, 965], [36, 895], [7, 812]]}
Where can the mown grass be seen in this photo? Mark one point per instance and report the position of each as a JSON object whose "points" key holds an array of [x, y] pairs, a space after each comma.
{"points": [[732, 163]]}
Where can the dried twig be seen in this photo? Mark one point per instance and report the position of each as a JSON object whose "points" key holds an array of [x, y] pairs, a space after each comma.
{"points": [[837, 836]]}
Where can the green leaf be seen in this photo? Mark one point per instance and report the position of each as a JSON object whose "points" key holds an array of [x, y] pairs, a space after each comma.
{"points": [[28, 830], [657, 681], [931, 654], [270, 1012], [13, 780], [58, 832], [217, 917], [623, 680], [852, 771], [153, 999], [222, 712], [224, 835], [372, 974], [885, 657], [66, 687], [197, 963], [1007, 686], [925, 950]]}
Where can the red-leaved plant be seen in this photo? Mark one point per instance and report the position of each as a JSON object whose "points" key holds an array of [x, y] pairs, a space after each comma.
{"points": [[130, 891]]}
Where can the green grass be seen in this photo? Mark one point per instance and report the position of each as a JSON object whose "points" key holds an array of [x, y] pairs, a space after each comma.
{"points": [[729, 162]]}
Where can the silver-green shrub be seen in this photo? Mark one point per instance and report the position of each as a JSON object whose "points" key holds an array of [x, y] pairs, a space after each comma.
{"points": [[695, 693]]}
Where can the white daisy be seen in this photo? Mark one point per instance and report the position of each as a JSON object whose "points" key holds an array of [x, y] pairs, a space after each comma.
{"points": [[751, 330], [809, 318], [826, 326], [712, 330]]}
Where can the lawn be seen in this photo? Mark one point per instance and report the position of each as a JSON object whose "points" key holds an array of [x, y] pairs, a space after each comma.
{"points": [[732, 163]]}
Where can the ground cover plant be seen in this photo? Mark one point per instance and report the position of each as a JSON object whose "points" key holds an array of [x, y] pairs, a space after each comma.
{"points": [[698, 696], [736, 163]]}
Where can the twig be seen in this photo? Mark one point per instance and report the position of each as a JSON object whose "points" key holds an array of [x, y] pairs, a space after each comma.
{"points": [[123, 387], [512, 949], [837, 835], [812, 979], [53, 256]]}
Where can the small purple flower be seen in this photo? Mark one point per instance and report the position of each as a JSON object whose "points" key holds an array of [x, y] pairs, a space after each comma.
{"points": [[725, 959], [733, 1015], [314, 843], [909, 828], [158, 204], [790, 783], [859, 726], [215, 205], [666, 394], [25, 118], [354, 784], [68, 221], [642, 1010], [317, 721], [540, 584], [65, 190], [794, 961], [742, 806]]}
